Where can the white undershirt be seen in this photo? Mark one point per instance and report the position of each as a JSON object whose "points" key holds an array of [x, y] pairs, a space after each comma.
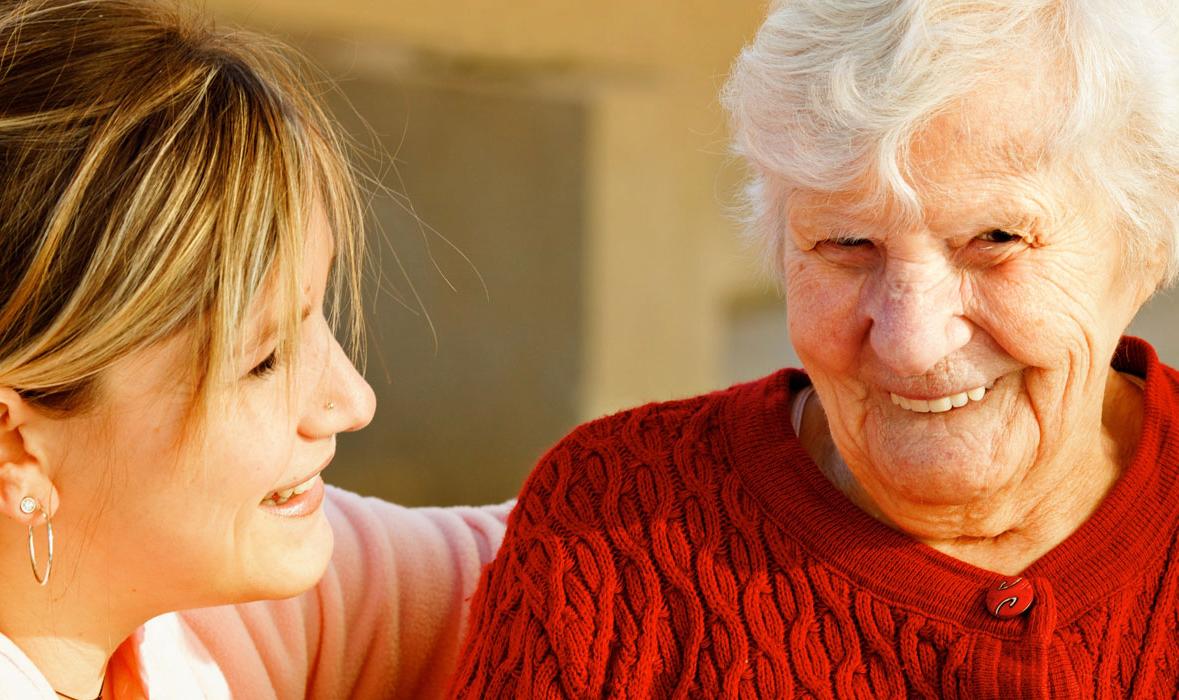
{"points": [[799, 407]]}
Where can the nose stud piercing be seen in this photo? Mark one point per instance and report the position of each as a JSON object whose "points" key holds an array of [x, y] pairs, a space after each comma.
{"points": [[330, 405]]}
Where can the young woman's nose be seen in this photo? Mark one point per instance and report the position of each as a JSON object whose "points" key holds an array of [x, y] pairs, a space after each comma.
{"points": [[916, 312], [344, 401]]}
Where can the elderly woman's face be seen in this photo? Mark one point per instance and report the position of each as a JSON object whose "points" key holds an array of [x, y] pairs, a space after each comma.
{"points": [[956, 352]]}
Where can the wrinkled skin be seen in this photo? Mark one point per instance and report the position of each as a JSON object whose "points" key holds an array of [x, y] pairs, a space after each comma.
{"points": [[1013, 274]]}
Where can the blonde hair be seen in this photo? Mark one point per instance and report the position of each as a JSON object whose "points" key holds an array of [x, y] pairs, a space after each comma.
{"points": [[156, 175], [831, 90]]}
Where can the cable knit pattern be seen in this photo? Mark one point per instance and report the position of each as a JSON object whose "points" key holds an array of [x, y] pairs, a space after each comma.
{"points": [[692, 550]]}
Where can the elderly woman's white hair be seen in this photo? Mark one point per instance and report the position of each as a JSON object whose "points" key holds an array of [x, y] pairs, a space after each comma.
{"points": [[833, 91]]}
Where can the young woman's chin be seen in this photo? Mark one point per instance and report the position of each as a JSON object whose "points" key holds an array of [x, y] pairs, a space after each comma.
{"points": [[289, 557]]}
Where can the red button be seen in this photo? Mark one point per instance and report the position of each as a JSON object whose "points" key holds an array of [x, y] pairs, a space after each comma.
{"points": [[1010, 598]]}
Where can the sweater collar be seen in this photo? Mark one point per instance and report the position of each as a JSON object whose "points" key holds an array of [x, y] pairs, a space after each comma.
{"points": [[1134, 523]]}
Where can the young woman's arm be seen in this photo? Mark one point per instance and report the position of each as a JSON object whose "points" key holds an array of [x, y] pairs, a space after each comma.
{"points": [[385, 621]]}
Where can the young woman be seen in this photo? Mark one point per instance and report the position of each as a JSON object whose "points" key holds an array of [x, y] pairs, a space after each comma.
{"points": [[177, 221]]}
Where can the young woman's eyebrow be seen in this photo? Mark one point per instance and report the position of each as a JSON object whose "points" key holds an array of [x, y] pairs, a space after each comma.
{"points": [[270, 330]]}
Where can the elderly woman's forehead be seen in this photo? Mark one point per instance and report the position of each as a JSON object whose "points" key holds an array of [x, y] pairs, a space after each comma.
{"points": [[999, 131], [1010, 117], [992, 137]]}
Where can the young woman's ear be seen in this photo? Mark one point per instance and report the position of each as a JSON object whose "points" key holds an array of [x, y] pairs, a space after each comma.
{"points": [[22, 473]]}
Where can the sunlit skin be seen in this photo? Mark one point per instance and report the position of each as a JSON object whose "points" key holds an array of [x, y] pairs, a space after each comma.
{"points": [[1013, 274], [148, 523]]}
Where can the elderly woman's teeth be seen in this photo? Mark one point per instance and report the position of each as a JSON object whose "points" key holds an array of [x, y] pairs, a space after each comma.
{"points": [[942, 404]]}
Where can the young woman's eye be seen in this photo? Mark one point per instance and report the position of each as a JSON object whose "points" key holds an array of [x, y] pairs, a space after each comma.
{"points": [[266, 366], [999, 236]]}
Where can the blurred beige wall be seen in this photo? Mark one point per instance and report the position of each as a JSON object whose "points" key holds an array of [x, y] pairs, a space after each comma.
{"points": [[575, 151], [626, 93]]}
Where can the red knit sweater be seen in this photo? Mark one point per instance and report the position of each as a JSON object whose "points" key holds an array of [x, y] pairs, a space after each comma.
{"points": [[693, 550]]}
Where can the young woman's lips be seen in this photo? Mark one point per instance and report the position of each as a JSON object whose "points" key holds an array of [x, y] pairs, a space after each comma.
{"points": [[298, 505]]}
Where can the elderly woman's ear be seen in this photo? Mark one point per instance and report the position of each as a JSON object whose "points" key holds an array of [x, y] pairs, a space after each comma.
{"points": [[22, 473], [1148, 277]]}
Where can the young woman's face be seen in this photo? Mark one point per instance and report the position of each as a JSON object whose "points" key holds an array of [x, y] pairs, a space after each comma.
{"points": [[175, 522]]}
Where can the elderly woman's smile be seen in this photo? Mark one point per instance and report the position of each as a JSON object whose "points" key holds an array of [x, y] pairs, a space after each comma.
{"points": [[941, 404]]}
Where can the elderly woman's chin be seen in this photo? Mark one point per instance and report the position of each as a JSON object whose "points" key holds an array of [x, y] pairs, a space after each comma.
{"points": [[961, 457], [940, 472]]}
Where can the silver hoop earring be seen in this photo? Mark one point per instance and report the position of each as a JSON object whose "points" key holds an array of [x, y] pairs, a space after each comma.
{"points": [[29, 504]]}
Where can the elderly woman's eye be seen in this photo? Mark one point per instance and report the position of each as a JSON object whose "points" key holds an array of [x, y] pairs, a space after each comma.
{"points": [[847, 250], [850, 242], [999, 236]]}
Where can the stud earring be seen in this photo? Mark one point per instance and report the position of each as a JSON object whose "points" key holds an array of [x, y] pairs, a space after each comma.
{"points": [[330, 405], [28, 504]]}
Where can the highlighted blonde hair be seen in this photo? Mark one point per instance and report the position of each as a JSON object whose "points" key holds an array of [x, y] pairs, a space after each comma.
{"points": [[833, 91], [156, 175]]}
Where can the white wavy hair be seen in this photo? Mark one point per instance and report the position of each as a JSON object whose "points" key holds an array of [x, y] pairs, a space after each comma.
{"points": [[832, 90]]}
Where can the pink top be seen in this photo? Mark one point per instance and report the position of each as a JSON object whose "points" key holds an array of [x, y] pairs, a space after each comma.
{"points": [[385, 621]]}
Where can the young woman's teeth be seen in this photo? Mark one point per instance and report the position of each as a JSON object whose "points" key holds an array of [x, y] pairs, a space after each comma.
{"points": [[280, 497], [942, 404]]}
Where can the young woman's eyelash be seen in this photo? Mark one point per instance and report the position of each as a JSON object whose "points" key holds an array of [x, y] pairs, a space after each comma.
{"points": [[266, 366]]}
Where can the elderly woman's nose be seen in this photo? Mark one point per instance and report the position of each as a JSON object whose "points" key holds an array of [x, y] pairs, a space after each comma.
{"points": [[344, 401], [916, 321]]}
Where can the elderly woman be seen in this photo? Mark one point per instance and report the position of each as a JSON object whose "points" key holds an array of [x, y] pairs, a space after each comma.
{"points": [[973, 489], [171, 202]]}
